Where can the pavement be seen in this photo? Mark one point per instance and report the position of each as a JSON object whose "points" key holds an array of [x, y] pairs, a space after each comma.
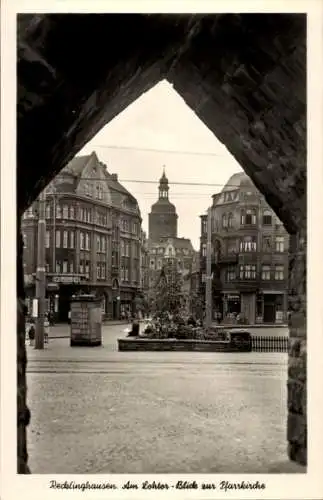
{"points": [[97, 410]]}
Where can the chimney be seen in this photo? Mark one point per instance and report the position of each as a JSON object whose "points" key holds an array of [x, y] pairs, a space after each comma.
{"points": [[114, 177]]}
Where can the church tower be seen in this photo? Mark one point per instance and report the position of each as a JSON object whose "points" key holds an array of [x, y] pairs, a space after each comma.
{"points": [[163, 216]]}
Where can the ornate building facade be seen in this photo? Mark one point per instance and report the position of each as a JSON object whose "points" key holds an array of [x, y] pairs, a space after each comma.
{"points": [[93, 239], [249, 255]]}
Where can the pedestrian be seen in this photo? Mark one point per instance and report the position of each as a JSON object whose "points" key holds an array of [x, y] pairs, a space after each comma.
{"points": [[31, 332], [46, 329]]}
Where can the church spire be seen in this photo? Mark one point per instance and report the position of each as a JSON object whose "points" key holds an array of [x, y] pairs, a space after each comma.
{"points": [[163, 186]]}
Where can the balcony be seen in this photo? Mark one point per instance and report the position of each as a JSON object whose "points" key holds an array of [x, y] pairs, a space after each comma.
{"points": [[243, 285]]}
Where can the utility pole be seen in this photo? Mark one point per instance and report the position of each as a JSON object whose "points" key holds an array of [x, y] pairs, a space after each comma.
{"points": [[208, 288], [40, 273]]}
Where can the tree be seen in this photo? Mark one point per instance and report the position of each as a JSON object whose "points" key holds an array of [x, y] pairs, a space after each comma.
{"points": [[168, 296]]}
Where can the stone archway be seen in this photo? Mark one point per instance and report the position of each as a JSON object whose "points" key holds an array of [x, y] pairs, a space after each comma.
{"points": [[243, 75]]}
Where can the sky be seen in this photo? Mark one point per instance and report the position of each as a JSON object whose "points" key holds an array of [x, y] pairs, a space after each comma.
{"points": [[161, 121]]}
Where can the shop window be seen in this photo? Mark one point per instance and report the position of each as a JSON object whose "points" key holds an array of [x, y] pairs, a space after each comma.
{"points": [[267, 218]]}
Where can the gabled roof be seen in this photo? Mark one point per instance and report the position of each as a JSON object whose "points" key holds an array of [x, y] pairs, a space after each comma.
{"points": [[76, 166]]}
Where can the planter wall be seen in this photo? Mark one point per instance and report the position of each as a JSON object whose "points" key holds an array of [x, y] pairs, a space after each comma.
{"points": [[134, 344]]}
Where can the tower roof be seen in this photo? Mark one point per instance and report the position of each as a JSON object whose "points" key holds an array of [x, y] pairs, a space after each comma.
{"points": [[163, 205]]}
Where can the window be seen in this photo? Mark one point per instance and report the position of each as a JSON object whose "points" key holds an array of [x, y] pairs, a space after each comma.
{"points": [[266, 243], [87, 241], [65, 264], [265, 272], [103, 246], [47, 239], [98, 244], [224, 220], [47, 211], [231, 273], [81, 267], [267, 218], [126, 274], [232, 246], [230, 220], [65, 212], [82, 239], [279, 243], [72, 239], [24, 237], [204, 250], [248, 244], [159, 265], [103, 270], [204, 226], [58, 267], [71, 266], [152, 264], [98, 271], [248, 217], [248, 272], [99, 192], [65, 239], [86, 189], [87, 269], [72, 213], [279, 272], [122, 248], [127, 249], [58, 239], [58, 212]]}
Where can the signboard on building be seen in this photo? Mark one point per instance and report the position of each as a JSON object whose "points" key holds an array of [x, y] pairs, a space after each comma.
{"points": [[68, 279]]}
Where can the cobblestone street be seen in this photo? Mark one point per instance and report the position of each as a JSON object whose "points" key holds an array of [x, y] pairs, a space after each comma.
{"points": [[96, 410]]}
